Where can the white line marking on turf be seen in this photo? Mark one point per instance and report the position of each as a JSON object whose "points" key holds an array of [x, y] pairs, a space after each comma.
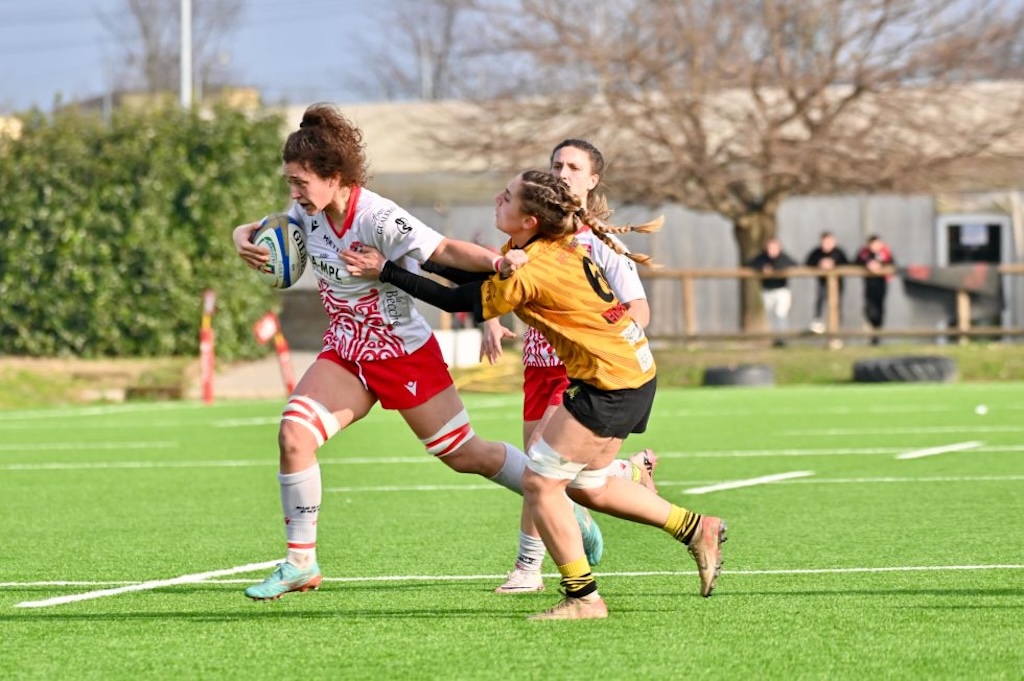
{"points": [[424, 459], [418, 488], [750, 482], [675, 573], [62, 583], [948, 478], [105, 465], [83, 446], [102, 465], [906, 431], [108, 410], [932, 451], [146, 586], [661, 573]]}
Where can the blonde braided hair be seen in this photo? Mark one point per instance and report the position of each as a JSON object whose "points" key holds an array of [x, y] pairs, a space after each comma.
{"points": [[559, 212]]}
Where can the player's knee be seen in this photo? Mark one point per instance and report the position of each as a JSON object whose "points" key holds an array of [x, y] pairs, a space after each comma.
{"points": [[305, 422], [533, 485]]}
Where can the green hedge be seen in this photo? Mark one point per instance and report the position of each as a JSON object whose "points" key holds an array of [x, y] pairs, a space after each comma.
{"points": [[110, 232]]}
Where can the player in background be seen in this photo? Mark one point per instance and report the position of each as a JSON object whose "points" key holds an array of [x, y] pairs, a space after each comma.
{"points": [[579, 164], [558, 289], [377, 346]]}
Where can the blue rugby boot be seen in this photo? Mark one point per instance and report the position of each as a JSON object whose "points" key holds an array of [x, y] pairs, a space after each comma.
{"points": [[593, 540], [285, 579]]}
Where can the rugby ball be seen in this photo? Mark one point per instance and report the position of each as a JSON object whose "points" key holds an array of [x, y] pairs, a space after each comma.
{"points": [[285, 238]]}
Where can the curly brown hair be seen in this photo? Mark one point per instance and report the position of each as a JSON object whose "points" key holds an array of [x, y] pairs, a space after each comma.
{"points": [[329, 145], [559, 212]]}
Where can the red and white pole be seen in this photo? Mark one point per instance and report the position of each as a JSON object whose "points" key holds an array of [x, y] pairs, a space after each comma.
{"points": [[284, 358], [206, 345], [268, 327]]}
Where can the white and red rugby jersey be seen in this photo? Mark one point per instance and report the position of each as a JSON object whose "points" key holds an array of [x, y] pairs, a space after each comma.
{"points": [[369, 320], [622, 276]]}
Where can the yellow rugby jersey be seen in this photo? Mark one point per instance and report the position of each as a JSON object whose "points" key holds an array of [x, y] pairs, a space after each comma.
{"points": [[562, 293]]}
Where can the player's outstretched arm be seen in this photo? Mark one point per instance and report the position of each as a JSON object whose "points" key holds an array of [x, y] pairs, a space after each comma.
{"points": [[370, 263]]}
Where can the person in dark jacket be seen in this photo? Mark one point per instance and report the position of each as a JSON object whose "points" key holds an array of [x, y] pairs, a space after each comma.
{"points": [[826, 256], [875, 256], [775, 293]]}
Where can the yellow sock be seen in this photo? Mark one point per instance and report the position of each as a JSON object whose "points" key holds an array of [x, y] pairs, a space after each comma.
{"points": [[577, 579], [682, 524]]}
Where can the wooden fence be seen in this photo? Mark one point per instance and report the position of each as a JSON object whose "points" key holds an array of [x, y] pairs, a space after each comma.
{"points": [[688, 279]]}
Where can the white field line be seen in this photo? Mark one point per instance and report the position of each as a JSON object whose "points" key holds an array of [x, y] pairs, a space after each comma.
{"points": [[749, 482], [241, 463], [418, 488], [840, 451], [88, 412], [932, 451], [84, 446], [24, 420], [937, 478], [147, 586], [211, 578], [424, 459], [928, 430], [705, 485]]}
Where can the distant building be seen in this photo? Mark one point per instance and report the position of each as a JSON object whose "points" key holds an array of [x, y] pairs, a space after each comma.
{"points": [[137, 100]]}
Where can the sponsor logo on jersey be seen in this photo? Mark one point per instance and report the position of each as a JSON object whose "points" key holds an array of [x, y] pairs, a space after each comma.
{"points": [[633, 334], [329, 270], [380, 218], [396, 306], [316, 226], [614, 314], [644, 357]]}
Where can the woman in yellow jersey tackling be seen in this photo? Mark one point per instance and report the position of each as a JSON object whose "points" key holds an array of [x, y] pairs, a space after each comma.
{"points": [[579, 164], [557, 289]]}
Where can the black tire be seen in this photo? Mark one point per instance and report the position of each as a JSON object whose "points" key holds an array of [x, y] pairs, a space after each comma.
{"points": [[914, 369], [750, 375]]}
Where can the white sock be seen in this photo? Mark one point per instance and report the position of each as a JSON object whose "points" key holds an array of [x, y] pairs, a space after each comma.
{"points": [[300, 501], [511, 474], [531, 553]]}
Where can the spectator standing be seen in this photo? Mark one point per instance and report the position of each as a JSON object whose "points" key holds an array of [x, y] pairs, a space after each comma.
{"points": [[875, 256], [775, 293], [826, 256]]}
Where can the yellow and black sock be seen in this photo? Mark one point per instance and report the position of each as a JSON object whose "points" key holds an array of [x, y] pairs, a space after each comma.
{"points": [[577, 579], [682, 524]]}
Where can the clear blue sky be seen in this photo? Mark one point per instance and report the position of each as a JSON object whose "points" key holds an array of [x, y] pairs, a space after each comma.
{"points": [[290, 49]]}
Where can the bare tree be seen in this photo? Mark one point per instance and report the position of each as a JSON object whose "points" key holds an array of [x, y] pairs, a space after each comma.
{"points": [[149, 32], [426, 41], [731, 107]]}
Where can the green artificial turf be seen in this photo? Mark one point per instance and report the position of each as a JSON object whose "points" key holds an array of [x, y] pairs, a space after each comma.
{"points": [[860, 566]]}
